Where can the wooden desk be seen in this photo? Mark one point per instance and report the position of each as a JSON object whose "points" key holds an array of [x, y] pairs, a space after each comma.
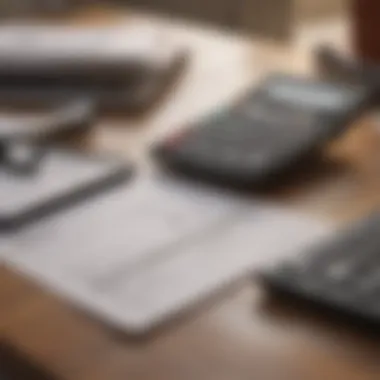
{"points": [[240, 335]]}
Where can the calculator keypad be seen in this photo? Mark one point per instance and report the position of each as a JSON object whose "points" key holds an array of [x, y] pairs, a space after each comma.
{"points": [[343, 273], [263, 135], [238, 143]]}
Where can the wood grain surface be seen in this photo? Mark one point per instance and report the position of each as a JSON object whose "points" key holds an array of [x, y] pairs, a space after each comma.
{"points": [[242, 334]]}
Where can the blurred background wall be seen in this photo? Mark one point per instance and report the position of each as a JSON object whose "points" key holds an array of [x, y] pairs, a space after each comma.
{"points": [[274, 18], [269, 17]]}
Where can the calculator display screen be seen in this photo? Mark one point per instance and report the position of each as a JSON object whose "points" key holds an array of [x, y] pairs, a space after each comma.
{"points": [[314, 96]]}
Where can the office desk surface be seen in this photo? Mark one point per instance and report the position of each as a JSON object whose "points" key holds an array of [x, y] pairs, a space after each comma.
{"points": [[241, 334]]}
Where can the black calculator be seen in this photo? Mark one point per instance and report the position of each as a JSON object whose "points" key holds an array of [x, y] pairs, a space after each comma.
{"points": [[268, 131], [340, 275]]}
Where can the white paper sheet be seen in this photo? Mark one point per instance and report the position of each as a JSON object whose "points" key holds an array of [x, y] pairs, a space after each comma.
{"points": [[18, 193], [141, 254]]}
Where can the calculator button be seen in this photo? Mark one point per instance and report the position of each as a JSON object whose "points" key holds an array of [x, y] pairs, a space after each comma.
{"points": [[370, 283], [198, 151], [257, 159], [231, 155], [338, 272]]}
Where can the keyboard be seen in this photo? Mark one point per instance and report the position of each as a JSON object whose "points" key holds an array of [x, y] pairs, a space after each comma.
{"points": [[342, 275]]}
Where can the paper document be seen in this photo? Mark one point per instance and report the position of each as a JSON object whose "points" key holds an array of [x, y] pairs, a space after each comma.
{"points": [[139, 255]]}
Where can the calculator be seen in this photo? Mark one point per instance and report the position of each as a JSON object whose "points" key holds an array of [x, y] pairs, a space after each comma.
{"points": [[268, 131], [340, 274]]}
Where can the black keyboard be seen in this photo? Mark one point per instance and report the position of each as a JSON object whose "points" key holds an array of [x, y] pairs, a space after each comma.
{"points": [[343, 274], [272, 128]]}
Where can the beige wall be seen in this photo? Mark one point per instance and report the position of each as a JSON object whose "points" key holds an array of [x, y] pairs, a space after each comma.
{"points": [[277, 17], [274, 18], [310, 9]]}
